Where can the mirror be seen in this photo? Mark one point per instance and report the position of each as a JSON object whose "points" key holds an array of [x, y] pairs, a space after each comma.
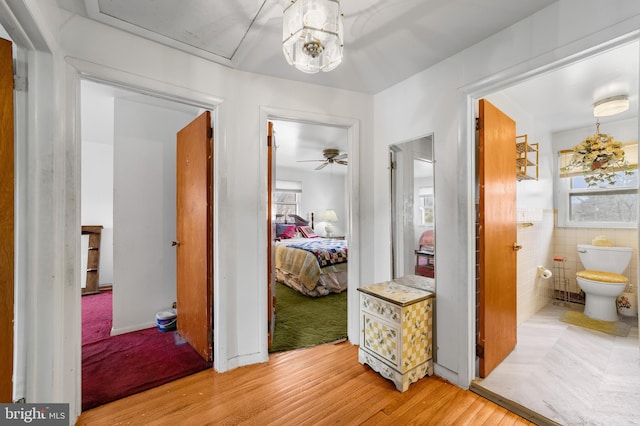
{"points": [[412, 208]]}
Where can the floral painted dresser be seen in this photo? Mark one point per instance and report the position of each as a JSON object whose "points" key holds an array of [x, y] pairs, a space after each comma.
{"points": [[396, 335]]}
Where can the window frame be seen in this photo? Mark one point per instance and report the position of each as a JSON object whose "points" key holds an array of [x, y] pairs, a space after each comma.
{"points": [[288, 187], [564, 204]]}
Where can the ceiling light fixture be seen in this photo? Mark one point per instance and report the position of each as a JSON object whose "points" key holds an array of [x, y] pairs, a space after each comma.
{"points": [[611, 106], [312, 35]]}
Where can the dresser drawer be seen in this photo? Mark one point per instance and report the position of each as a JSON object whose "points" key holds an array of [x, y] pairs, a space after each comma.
{"points": [[381, 338], [381, 308]]}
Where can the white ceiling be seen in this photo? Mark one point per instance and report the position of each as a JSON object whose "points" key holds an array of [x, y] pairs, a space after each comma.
{"points": [[297, 143], [386, 41], [563, 99]]}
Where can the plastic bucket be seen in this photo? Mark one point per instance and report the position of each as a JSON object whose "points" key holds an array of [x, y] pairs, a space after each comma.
{"points": [[166, 320]]}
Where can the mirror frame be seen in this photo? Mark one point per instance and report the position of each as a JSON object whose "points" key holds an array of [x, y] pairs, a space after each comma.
{"points": [[421, 148]]}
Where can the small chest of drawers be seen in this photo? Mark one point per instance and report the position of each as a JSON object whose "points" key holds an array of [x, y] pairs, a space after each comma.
{"points": [[396, 332]]}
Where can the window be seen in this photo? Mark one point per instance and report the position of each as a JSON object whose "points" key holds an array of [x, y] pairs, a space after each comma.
{"points": [[425, 195], [286, 199], [611, 206]]}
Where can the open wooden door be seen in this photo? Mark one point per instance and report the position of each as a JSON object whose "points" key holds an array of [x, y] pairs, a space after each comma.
{"points": [[271, 261], [194, 229], [6, 221], [497, 237]]}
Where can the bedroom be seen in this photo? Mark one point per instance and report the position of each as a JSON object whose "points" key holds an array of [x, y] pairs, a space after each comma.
{"points": [[309, 202]]}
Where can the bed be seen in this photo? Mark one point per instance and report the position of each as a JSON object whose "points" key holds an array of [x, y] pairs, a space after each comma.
{"points": [[312, 266]]}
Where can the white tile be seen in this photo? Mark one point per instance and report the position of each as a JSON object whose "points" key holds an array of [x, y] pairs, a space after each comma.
{"points": [[572, 375]]}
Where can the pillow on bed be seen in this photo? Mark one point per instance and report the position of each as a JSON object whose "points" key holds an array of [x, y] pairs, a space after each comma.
{"points": [[307, 232], [285, 231]]}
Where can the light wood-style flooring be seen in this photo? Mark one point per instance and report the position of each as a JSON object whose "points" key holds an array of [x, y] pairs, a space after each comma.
{"points": [[323, 385], [570, 374]]}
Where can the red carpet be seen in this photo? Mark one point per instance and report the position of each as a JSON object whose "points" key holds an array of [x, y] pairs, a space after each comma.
{"points": [[118, 366]]}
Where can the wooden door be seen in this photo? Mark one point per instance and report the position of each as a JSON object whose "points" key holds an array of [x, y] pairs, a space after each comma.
{"points": [[194, 231], [6, 221], [497, 237], [271, 261]]}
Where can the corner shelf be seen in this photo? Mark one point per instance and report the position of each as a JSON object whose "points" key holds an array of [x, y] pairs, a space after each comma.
{"points": [[526, 159]]}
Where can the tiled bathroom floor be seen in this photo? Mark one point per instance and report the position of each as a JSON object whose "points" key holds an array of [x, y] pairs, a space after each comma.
{"points": [[571, 375]]}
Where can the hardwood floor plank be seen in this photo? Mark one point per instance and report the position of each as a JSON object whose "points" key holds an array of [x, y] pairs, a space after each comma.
{"points": [[324, 385]]}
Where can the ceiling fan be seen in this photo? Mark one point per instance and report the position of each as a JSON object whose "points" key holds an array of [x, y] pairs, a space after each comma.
{"points": [[331, 156]]}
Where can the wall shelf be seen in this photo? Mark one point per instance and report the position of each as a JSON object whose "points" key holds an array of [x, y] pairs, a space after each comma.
{"points": [[526, 159]]}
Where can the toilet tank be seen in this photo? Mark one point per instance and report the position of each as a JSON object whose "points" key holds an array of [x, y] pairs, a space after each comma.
{"points": [[607, 259]]}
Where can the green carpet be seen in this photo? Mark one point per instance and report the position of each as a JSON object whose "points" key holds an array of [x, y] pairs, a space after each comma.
{"points": [[303, 321], [616, 328]]}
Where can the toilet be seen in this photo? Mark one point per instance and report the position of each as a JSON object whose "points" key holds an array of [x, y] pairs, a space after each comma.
{"points": [[601, 281]]}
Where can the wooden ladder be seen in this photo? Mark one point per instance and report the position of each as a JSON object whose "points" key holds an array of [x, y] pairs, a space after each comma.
{"points": [[93, 258]]}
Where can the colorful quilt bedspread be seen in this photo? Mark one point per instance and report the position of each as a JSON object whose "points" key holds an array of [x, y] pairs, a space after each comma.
{"points": [[328, 252]]}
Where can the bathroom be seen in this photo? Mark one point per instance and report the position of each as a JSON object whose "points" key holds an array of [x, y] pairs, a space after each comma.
{"points": [[565, 373]]}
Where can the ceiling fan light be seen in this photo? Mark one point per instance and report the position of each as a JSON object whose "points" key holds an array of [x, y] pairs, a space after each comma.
{"points": [[312, 35], [611, 106]]}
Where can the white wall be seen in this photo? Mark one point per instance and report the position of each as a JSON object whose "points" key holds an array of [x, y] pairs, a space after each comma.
{"points": [[144, 212], [624, 131], [97, 112], [437, 101], [320, 191]]}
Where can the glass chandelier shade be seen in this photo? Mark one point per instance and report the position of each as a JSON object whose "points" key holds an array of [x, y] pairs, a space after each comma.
{"points": [[312, 35]]}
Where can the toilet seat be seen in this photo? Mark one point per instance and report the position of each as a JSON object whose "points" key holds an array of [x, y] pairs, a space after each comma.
{"points": [[603, 277]]}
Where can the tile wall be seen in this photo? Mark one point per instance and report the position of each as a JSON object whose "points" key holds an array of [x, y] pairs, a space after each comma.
{"points": [[535, 235]]}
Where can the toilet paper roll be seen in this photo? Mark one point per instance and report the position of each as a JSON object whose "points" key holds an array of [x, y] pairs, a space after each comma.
{"points": [[544, 272]]}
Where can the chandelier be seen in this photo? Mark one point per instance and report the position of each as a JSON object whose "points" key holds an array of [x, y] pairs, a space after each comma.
{"points": [[312, 35]]}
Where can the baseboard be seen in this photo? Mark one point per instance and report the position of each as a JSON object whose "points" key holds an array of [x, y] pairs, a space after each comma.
{"points": [[123, 330], [445, 373], [512, 406]]}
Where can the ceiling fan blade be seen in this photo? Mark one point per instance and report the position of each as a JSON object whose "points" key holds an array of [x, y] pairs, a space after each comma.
{"points": [[343, 162], [321, 166], [341, 156], [308, 161]]}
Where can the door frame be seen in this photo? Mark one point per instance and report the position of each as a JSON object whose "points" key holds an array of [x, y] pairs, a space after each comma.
{"points": [[33, 249], [353, 212], [468, 98], [78, 70]]}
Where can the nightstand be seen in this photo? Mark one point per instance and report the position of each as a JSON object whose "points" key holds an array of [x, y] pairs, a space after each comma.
{"points": [[335, 237], [396, 337]]}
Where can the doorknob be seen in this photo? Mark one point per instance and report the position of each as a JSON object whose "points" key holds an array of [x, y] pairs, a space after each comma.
{"points": [[175, 243], [516, 247]]}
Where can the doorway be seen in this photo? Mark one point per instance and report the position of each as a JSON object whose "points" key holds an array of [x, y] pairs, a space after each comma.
{"points": [[542, 240], [349, 228], [310, 163], [129, 155]]}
